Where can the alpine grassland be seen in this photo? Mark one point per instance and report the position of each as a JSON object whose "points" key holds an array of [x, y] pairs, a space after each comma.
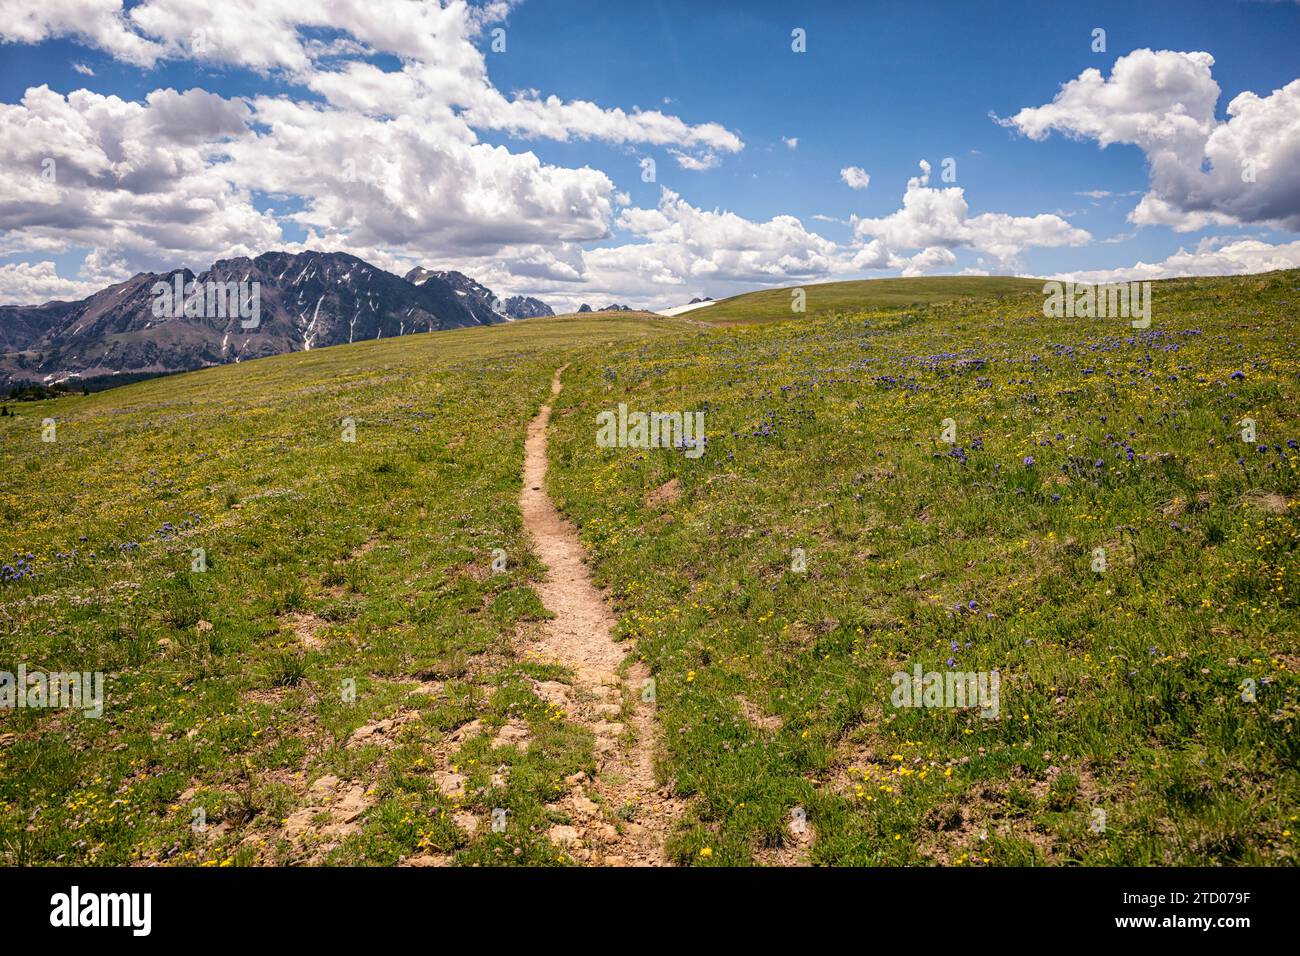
{"points": [[309, 588], [304, 579], [769, 305], [1103, 517]]}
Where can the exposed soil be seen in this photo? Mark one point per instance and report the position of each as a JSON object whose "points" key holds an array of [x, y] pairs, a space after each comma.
{"points": [[623, 815]]}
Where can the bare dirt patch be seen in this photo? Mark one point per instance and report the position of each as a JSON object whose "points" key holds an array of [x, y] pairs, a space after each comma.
{"points": [[665, 494], [756, 716], [306, 627], [1271, 502], [334, 813], [382, 733]]}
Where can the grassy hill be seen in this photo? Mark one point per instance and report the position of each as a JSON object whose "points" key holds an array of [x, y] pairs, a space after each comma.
{"points": [[1122, 690], [826, 298], [335, 687], [636, 314], [327, 562]]}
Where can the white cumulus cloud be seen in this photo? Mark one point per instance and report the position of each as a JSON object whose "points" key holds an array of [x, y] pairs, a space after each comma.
{"points": [[1215, 255], [855, 177], [25, 283], [940, 219], [1203, 171]]}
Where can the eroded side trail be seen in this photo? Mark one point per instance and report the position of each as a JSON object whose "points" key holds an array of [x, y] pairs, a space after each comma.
{"points": [[621, 817]]}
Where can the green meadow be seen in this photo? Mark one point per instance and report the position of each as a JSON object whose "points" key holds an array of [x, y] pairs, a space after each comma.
{"points": [[329, 688], [830, 298], [316, 649], [1147, 710]]}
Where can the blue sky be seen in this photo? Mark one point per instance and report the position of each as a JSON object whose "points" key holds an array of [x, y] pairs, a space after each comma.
{"points": [[884, 85], [880, 87]]}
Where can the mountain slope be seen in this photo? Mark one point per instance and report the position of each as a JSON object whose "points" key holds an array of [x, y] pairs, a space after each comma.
{"points": [[515, 307], [21, 325], [307, 300]]}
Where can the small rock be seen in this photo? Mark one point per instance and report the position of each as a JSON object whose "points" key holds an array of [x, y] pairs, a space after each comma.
{"points": [[450, 784], [465, 731], [562, 835], [510, 735], [352, 805], [326, 785], [553, 692], [300, 821]]}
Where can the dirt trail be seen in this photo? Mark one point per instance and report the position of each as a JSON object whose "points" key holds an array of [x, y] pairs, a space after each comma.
{"points": [[621, 817]]}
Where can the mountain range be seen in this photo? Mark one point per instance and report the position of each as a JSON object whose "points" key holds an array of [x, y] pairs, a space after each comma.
{"points": [[515, 307], [306, 300]]}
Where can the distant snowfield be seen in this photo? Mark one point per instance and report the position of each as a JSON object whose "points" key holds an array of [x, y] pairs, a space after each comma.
{"points": [[691, 307]]}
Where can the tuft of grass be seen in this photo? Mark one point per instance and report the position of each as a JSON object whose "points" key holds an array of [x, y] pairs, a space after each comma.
{"points": [[287, 669]]}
